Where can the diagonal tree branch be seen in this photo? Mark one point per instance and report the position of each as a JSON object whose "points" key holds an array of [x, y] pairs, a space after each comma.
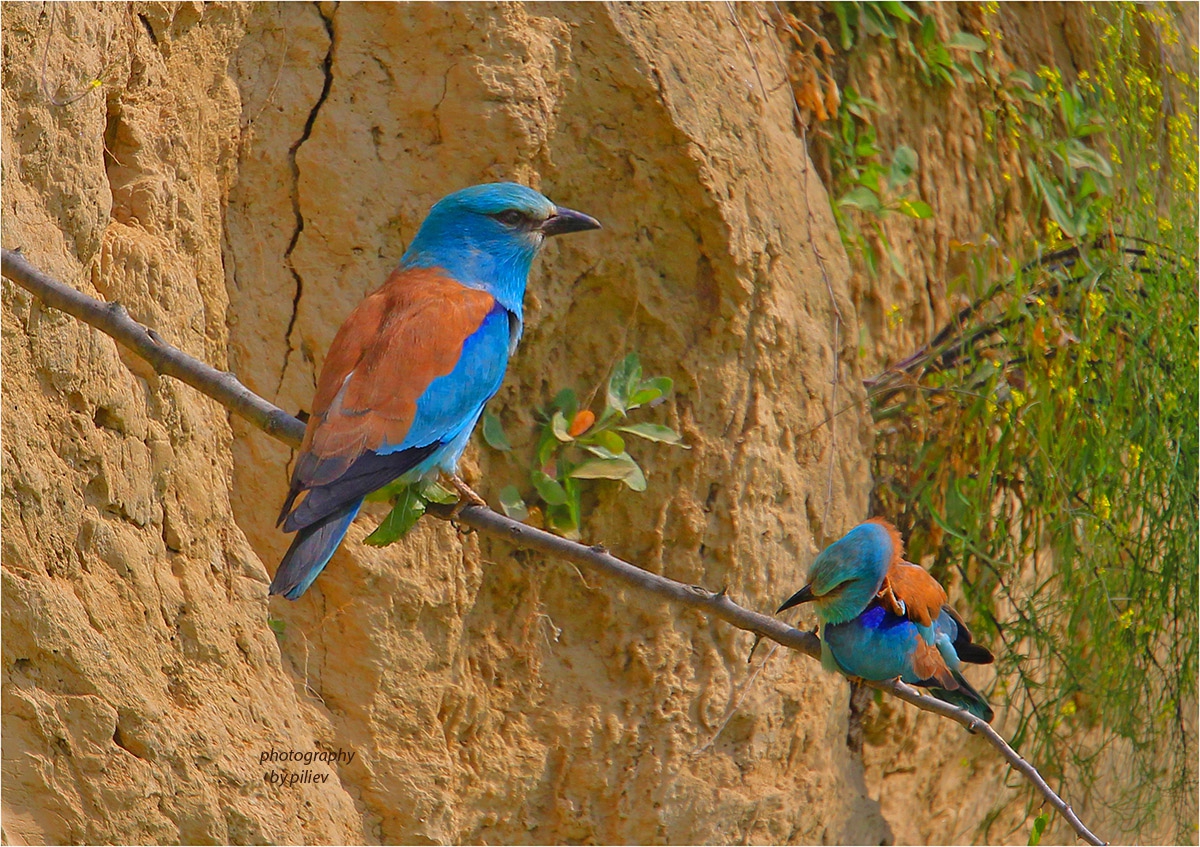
{"points": [[112, 319], [224, 387]]}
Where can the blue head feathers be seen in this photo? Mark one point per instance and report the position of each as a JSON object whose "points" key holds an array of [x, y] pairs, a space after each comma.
{"points": [[486, 237], [848, 573]]}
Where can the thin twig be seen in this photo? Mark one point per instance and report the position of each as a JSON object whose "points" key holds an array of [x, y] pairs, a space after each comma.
{"points": [[44, 83], [223, 387], [737, 704]]}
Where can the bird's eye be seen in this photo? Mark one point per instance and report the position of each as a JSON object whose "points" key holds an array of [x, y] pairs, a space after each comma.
{"points": [[511, 217]]}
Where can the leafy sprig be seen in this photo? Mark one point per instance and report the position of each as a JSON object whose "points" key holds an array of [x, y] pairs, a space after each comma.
{"points": [[576, 446]]}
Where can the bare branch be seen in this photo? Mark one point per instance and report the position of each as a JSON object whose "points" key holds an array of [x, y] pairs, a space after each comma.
{"points": [[223, 387], [113, 320]]}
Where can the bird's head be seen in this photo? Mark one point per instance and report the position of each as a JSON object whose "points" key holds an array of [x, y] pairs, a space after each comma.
{"points": [[849, 572], [486, 237]]}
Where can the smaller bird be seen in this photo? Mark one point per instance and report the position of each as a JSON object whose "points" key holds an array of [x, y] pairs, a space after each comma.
{"points": [[882, 617], [407, 375]]}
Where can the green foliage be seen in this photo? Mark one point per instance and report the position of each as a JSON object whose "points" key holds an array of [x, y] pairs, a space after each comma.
{"points": [[1043, 449], [1073, 179], [865, 184], [857, 21], [576, 446], [1039, 826], [867, 189], [409, 501]]}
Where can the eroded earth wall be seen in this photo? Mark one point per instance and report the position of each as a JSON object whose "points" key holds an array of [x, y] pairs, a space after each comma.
{"points": [[239, 177]]}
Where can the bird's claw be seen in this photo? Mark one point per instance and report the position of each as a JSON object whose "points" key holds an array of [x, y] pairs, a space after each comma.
{"points": [[466, 495]]}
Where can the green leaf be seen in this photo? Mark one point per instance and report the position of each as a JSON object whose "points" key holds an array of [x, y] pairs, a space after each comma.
{"points": [[870, 259], [624, 380], [1079, 156], [512, 504], [643, 396], [548, 445], [610, 441], [865, 104], [493, 432], [915, 209], [966, 41], [1039, 826], [563, 522], [1087, 186], [652, 391], [862, 198], [940, 56], [621, 467], [874, 22], [433, 492], [278, 626], [559, 426], [636, 481], [1021, 79], [389, 492], [548, 488], [566, 402], [928, 32], [574, 499], [904, 165], [617, 467], [403, 516], [899, 10], [1055, 202], [977, 64], [602, 452], [843, 12], [653, 432]]}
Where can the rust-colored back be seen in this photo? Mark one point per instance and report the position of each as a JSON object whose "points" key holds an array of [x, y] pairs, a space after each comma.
{"points": [[397, 341]]}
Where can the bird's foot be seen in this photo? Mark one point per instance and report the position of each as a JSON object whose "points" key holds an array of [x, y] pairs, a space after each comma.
{"points": [[466, 495]]}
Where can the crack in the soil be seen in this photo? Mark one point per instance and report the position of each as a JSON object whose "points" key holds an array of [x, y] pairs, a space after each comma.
{"points": [[327, 69]]}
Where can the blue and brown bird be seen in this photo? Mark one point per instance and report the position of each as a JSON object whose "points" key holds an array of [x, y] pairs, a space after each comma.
{"points": [[882, 617], [408, 373]]}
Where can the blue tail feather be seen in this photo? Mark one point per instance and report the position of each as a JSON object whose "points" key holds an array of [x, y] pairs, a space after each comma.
{"points": [[311, 550]]}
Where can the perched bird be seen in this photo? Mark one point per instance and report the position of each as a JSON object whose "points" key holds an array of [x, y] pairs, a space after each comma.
{"points": [[408, 373], [882, 617]]}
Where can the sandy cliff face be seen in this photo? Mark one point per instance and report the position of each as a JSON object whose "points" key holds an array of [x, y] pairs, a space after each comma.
{"points": [[497, 697], [140, 681], [241, 178]]}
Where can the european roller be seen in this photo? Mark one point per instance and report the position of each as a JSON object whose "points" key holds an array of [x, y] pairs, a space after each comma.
{"points": [[408, 373], [882, 617]]}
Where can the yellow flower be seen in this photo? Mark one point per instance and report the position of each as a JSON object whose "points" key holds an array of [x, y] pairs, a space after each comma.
{"points": [[1135, 456], [1103, 508]]}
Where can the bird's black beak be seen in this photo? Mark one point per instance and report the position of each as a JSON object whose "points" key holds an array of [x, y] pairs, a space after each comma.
{"points": [[567, 220], [804, 595]]}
